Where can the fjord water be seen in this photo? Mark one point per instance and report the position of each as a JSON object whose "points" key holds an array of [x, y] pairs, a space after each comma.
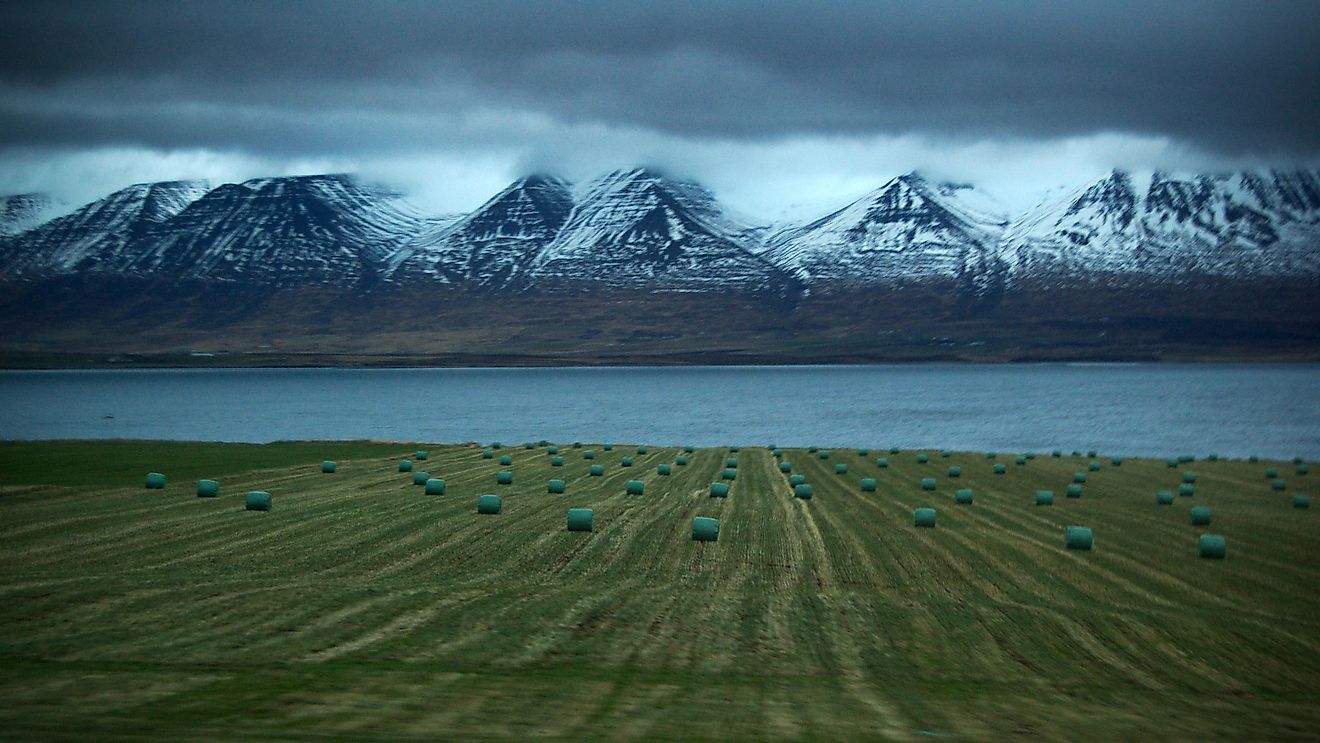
{"points": [[1132, 409]]}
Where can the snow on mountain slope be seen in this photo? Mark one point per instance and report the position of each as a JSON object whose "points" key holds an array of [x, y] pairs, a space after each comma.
{"points": [[635, 228], [906, 229], [22, 212]]}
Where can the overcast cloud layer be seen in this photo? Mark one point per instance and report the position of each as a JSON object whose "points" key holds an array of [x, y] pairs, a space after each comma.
{"points": [[779, 107]]}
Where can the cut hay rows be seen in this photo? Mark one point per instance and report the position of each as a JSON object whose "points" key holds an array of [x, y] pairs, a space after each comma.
{"points": [[361, 608]]}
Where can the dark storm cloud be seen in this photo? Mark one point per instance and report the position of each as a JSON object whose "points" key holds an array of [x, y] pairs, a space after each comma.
{"points": [[314, 77]]}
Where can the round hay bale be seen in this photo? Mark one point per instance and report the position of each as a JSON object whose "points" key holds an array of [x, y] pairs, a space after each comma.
{"points": [[991, 454], [868, 484], [1116, 461], [1091, 454], [435, 486], [577, 444], [841, 469], [1044, 497], [625, 462], [681, 460], [1073, 491], [823, 454], [608, 447], [1212, 546], [894, 450], [731, 462], [945, 453], [506, 460], [1253, 459], [551, 451], [588, 454], [705, 529], [529, 445], [797, 479], [556, 461], [963, 496], [924, 518], [1298, 460], [581, 519], [1189, 478], [689, 449], [778, 453], [1185, 458], [1301, 501], [405, 465], [1076, 454], [1213, 457], [1278, 486], [955, 472], [1030, 455], [928, 483], [1186, 491], [1199, 516], [1020, 459], [155, 481], [420, 478], [786, 467], [1000, 469], [733, 449], [1093, 467], [812, 449], [719, 490], [863, 452], [1079, 477], [1164, 498], [208, 489], [256, 500], [729, 474], [504, 478], [882, 463], [1172, 463], [1271, 473], [543, 442], [1057, 453], [496, 445], [636, 487], [488, 454], [803, 491], [420, 455], [641, 450], [663, 469], [922, 459], [1078, 538], [597, 470], [1302, 469], [555, 487]]}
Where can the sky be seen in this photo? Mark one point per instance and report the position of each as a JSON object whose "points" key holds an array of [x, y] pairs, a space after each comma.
{"points": [[783, 109]]}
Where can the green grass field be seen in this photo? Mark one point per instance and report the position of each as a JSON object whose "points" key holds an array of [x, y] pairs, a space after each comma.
{"points": [[360, 608]]}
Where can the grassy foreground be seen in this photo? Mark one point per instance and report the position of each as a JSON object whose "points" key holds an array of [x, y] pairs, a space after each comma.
{"points": [[360, 608]]}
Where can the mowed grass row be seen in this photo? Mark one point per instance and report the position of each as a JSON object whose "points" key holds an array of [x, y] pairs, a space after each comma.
{"points": [[359, 607]]}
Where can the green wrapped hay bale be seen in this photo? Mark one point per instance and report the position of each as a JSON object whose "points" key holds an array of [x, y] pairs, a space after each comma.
{"points": [[797, 479], [868, 484], [963, 496], [729, 474], [420, 455], [812, 449], [1186, 491], [785, 467], [555, 487], [663, 469], [1189, 477], [1093, 467], [705, 529], [991, 454], [1078, 538], [681, 460], [543, 442], [841, 469], [731, 462], [1076, 454], [588, 454], [208, 489], [894, 450], [581, 519], [504, 477], [1213, 457], [924, 518], [435, 486], [420, 478], [1030, 455], [1079, 477], [1253, 459], [719, 490], [1116, 462], [405, 465], [922, 459], [155, 481], [1057, 453], [1044, 497], [1271, 473], [551, 451], [928, 483], [1278, 486], [625, 462], [1199, 516], [1213, 546], [1091, 454], [1073, 491], [863, 452], [489, 504], [1164, 498], [882, 463], [496, 445], [803, 491], [1172, 463], [689, 449], [328, 467], [824, 453], [556, 461], [1301, 501], [1298, 460], [955, 472], [945, 453], [488, 454], [641, 450], [1185, 458], [1302, 469], [608, 447], [1020, 459], [778, 453], [1000, 469], [597, 470], [733, 449], [506, 460], [257, 500], [577, 444], [636, 487], [529, 445]]}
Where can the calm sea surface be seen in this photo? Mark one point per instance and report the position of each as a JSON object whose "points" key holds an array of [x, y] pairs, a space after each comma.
{"points": [[1232, 410]]}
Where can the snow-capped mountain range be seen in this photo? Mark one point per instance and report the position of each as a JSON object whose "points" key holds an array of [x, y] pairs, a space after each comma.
{"points": [[639, 229]]}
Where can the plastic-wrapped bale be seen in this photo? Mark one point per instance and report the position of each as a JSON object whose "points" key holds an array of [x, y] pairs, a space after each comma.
{"points": [[681, 460], [924, 518], [868, 484], [1057, 453], [1000, 469], [551, 450], [963, 496], [841, 469], [922, 459], [420, 478], [1271, 473], [1172, 463], [420, 455], [729, 474], [705, 529], [803, 491], [1079, 477], [636, 487], [155, 481], [1213, 457], [1298, 460], [928, 483], [597, 470], [719, 490], [506, 460], [894, 450], [577, 444], [1164, 498], [863, 452], [581, 519], [1093, 467], [608, 447], [556, 461], [1278, 486], [797, 479], [882, 463], [731, 462], [435, 486], [1020, 459], [625, 462], [1199, 516], [1189, 478], [1029, 455], [555, 486], [1074, 491], [488, 454], [785, 467], [689, 449], [1301, 501], [1091, 454], [588, 454], [1044, 497], [1185, 490], [733, 449], [495, 445], [1116, 462], [1212, 546], [504, 478], [778, 453], [1078, 538], [813, 449], [823, 453], [1185, 458], [642, 450], [955, 472], [328, 467], [1253, 459], [991, 454], [1302, 469], [208, 489], [663, 469], [529, 445], [257, 500], [543, 442], [945, 453], [405, 465]]}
